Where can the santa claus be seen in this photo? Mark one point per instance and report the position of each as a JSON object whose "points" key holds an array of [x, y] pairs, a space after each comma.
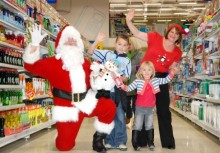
{"points": [[69, 74]]}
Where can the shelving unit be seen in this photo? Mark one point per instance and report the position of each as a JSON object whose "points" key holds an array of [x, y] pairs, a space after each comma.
{"points": [[195, 120], [11, 46], [11, 27], [11, 66], [196, 96], [25, 133], [10, 107]]}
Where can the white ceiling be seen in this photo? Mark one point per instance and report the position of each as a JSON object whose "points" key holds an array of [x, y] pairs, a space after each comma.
{"points": [[156, 10]]}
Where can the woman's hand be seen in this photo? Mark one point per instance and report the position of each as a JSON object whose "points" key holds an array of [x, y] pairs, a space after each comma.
{"points": [[101, 37], [130, 15]]}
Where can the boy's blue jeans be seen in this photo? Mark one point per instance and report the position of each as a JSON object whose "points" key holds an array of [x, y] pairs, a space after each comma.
{"points": [[118, 135]]}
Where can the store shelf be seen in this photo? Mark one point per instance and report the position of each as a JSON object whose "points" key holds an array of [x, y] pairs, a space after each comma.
{"points": [[11, 87], [212, 35], [10, 107], [212, 100], [10, 46], [10, 26], [200, 97], [40, 97], [9, 139], [14, 7], [49, 33], [213, 55], [11, 66], [195, 120]]}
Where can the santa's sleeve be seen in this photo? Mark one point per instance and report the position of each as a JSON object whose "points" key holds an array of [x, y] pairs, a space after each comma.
{"points": [[29, 57], [42, 67]]}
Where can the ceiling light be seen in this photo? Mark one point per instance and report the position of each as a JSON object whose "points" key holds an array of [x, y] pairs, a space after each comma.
{"points": [[137, 9], [164, 20], [166, 9], [118, 10], [140, 24], [147, 4], [118, 5], [198, 8], [182, 20], [183, 13], [132, 6], [140, 20], [188, 3]]}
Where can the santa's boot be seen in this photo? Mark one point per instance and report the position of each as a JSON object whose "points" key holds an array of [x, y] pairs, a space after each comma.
{"points": [[134, 140], [2, 131], [150, 139], [98, 142]]}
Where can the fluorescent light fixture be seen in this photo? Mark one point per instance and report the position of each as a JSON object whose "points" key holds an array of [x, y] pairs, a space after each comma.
{"points": [[118, 5], [137, 9], [140, 20], [140, 24], [147, 4], [183, 13], [182, 20], [118, 10], [132, 6], [188, 3], [188, 23], [166, 9], [164, 20], [198, 8]]}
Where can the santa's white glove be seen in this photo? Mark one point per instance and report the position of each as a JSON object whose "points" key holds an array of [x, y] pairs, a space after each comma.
{"points": [[95, 67], [36, 36]]}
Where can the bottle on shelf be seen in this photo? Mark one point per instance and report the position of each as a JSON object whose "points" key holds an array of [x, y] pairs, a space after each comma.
{"points": [[2, 122]]}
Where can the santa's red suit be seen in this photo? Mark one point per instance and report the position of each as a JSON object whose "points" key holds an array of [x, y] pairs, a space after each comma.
{"points": [[75, 79]]}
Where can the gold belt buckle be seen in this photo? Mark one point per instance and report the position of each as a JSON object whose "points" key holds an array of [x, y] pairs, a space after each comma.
{"points": [[77, 97]]}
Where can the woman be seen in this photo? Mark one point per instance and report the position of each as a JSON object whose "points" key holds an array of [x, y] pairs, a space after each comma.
{"points": [[163, 52]]}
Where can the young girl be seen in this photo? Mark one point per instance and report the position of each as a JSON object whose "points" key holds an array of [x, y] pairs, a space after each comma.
{"points": [[147, 86]]}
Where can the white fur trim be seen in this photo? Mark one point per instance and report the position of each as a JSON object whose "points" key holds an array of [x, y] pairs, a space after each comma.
{"points": [[65, 114], [103, 127], [70, 32], [31, 58], [77, 78], [88, 104]]}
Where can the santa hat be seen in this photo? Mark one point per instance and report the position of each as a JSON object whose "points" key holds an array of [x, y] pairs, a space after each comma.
{"points": [[66, 32], [182, 30]]}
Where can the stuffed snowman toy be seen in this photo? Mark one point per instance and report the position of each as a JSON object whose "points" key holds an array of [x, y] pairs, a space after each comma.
{"points": [[101, 79]]}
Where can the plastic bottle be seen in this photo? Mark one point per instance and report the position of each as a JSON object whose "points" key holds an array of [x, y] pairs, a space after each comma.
{"points": [[200, 112]]}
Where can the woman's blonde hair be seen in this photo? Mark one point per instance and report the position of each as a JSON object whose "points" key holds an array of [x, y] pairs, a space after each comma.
{"points": [[143, 65]]}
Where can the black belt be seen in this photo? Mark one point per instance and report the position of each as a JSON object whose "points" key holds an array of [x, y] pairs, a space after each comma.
{"points": [[75, 97]]}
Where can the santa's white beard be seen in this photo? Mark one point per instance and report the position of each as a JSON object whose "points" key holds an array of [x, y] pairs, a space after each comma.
{"points": [[71, 56]]}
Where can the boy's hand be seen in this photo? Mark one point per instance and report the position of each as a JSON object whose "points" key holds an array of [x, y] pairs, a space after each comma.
{"points": [[101, 37], [130, 15]]}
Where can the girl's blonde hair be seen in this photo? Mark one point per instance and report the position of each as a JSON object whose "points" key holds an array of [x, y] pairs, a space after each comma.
{"points": [[144, 65]]}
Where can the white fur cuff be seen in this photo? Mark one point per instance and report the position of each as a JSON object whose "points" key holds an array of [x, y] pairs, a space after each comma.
{"points": [[65, 114], [88, 104], [31, 58], [103, 127]]}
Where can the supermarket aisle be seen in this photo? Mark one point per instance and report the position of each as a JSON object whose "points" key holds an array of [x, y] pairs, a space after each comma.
{"points": [[189, 138]]}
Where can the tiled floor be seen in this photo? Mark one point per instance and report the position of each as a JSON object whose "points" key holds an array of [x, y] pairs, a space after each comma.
{"points": [[189, 139]]}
